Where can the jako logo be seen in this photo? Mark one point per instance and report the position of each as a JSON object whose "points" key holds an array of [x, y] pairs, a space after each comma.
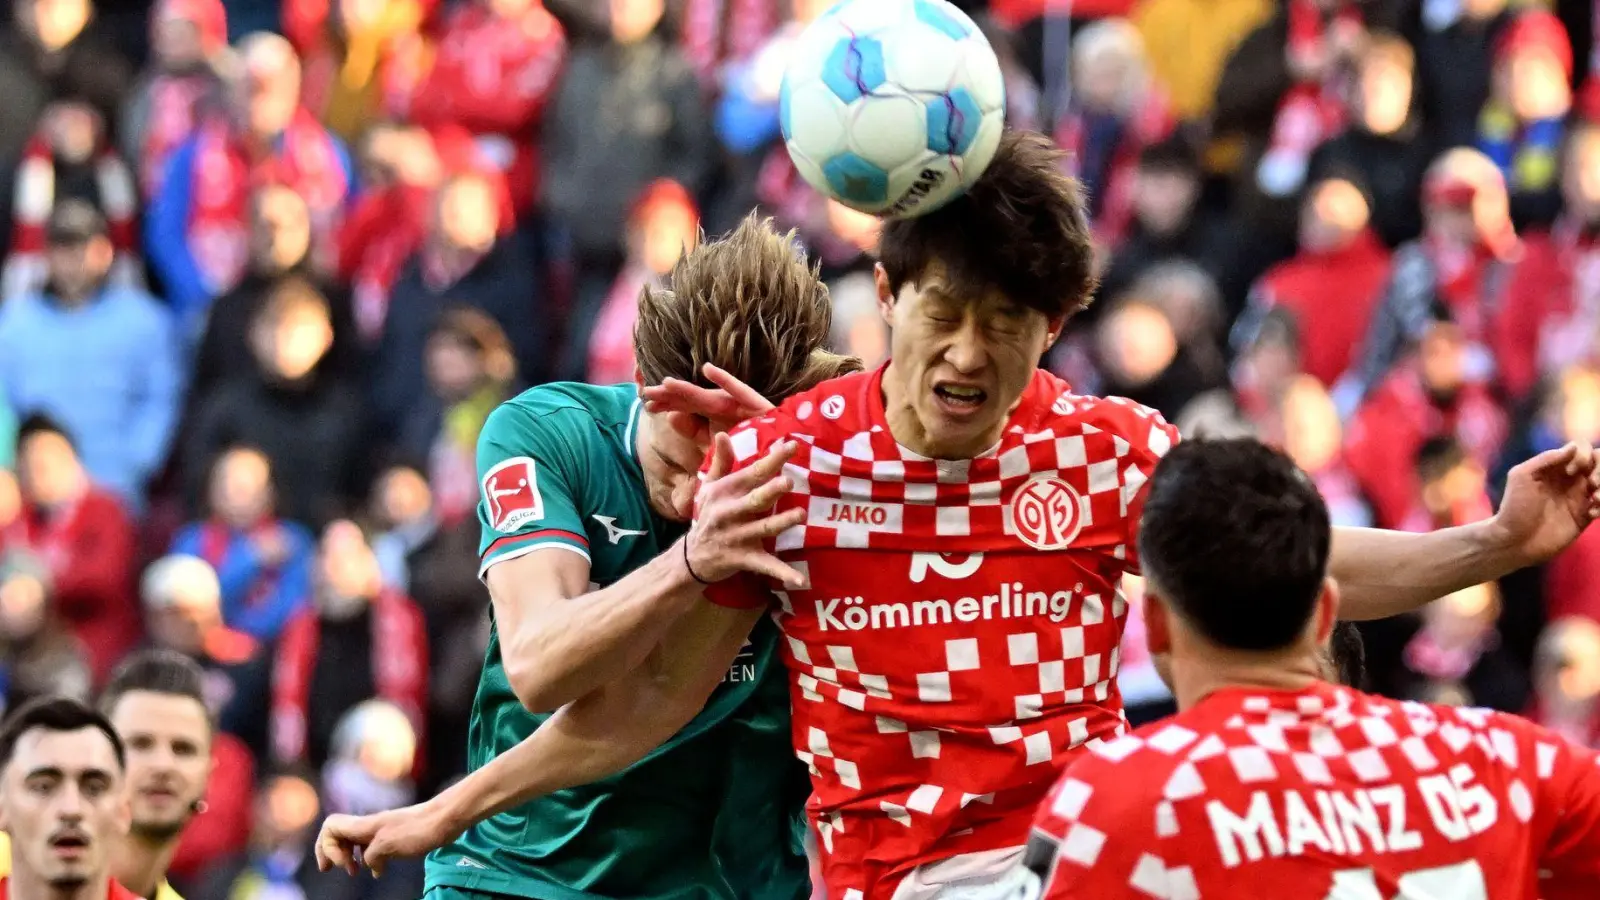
{"points": [[1047, 513], [857, 515]]}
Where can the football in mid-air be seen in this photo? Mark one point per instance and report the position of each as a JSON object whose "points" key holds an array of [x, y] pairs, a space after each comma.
{"points": [[892, 107]]}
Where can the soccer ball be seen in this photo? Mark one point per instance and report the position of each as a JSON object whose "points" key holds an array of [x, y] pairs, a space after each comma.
{"points": [[892, 107]]}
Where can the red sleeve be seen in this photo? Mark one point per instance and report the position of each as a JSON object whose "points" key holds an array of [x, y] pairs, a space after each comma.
{"points": [[742, 591], [1568, 779], [1096, 836], [1516, 333], [1379, 457], [1149, 437], [97, 574]]}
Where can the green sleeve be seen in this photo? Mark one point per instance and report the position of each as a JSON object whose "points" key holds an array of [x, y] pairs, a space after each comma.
{"points": [[529, 485]]}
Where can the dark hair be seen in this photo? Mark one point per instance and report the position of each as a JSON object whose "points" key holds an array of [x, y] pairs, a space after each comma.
{"points": [[480, 332], [1437, 457], [1235, 538], [1348, 653], [159, 672], [39, 423], [1021, 229], [1171, 154], [55, 714]]}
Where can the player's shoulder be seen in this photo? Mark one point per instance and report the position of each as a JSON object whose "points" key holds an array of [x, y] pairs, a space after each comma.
{"points": [[838, 406], [563, 410], [1142, 428]]}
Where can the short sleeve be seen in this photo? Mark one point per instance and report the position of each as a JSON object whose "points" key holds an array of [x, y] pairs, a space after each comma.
{"points": [[1149, 438], [1096, 835], [527, 492], [1569, 784]]}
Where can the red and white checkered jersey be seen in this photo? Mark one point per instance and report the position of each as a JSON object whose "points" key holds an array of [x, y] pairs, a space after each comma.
{"points": [[1324, 794], [958, 634]]}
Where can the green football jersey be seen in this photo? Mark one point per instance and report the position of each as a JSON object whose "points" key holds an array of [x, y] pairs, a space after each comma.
{"points": [[716, 812]]}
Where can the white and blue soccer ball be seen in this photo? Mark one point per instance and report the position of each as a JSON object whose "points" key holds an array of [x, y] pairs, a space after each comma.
{"points": [[892, 107]]}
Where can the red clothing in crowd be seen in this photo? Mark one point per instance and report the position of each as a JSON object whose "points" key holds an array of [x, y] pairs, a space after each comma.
{"points": [[1331, 295], [89, 548], [306, 21], [1394, 423], [223, 827], [1551, 311], [1572, 580], [382, 231], [494, 80]]}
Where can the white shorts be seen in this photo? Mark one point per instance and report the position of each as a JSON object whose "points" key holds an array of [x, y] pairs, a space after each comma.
{"points": [[987, 875]]}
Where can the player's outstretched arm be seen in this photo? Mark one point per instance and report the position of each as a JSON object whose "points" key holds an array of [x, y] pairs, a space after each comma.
{"points": [[592, 738], [1548, 502], [559, 643]]}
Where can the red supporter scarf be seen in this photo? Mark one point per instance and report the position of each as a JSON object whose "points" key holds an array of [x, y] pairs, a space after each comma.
{"points": [[35, 196], [214, 540], [47, 534], [225, 173], [1309, 113], [170, 121], [399, 668]]}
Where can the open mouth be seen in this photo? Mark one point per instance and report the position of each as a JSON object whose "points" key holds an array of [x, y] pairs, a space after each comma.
{"points": [[70, 844], [960, 396]]}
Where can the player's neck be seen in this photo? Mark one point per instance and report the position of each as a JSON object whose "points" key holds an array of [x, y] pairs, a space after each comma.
{"points": [[140, 863], [24, 885], [1197, 675], [908, 431]]}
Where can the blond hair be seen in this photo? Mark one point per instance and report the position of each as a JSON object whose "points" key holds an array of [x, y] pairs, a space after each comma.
{"points": [[747, 303]]}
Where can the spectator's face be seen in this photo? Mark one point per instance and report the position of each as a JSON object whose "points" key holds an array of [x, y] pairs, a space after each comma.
{"points": [[1385, 96], [24, 603], [1535, 84], [183, 626], [48, 470], [1461, 486], [73, 130], [241, 488], [455, 369], [286, 808], [176, 41], [404, 496], [270, 86], [65, 805], [1463, 616], [1311, 427], [290, 344], [1453, 224], [280, 230], [510, 9], [357, 16], [1102, 80], [1442, 357], [1333, 214], [168, 743], [1163, 199], [671, 450], [348, 572], [10, 498], [1579, 411], [1580, 178], [665, 233], [1483, 10], [1136, 343], [468, 214], [54, 23], [79, 267], [1567, 666], [633, 20]]}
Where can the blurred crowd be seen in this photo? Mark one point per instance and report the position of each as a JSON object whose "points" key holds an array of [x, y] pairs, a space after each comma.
{"points": [[268, 267]]}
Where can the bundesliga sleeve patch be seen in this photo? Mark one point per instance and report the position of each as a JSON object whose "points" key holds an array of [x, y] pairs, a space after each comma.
{"points": [[511, 495]]}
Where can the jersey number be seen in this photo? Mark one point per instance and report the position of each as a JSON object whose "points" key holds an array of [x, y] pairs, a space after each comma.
{"points": [[1463, 881]]}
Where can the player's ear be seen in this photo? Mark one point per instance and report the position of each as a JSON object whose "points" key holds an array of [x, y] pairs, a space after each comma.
{"points": [[1056, 324], [880, 280], [1327, 610], [638, 376], [1157, 624]]}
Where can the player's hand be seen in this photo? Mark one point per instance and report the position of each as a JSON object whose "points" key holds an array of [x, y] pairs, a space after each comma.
{"points": [[734, 518], [349, 842], [724, 406], [1549, 500]]}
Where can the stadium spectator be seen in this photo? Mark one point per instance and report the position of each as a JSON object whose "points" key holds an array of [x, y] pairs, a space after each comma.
{"points": [[1457, 659], [178, 88], [69, 157], [263, 562], [306, 419], [280, 249], [53, 51], [83, 540], [470, 371], [183, 613], [1189, 41], [1551, 310], [197, 230], [364, 63], [1428, 396], [1566, 680], [101, 359], [1385, 146], [39, 655], [434, 560], [1455, 53], [356, 641], [1310, 433], [1570, 405], [663, 226], [1331, 286], [1138, 349], [369, 770], [655, 125], [464, 261], [276, 863], [494, 73], [400, 169], [1522, 124], [1454, 487]]}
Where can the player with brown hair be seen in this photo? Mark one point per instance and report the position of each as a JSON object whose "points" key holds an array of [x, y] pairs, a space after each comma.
{"points": [[962, 521], [585, 498]]}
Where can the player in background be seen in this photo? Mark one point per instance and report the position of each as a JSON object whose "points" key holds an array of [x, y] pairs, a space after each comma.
{"points": [[1271, 779], [582, 487], [967, 519], [63, 800]]}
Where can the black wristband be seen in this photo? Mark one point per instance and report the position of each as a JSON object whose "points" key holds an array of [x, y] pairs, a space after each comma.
{"points": [[686, 562]]}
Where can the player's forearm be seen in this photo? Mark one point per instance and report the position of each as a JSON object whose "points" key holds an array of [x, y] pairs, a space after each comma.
{"points": [[1384, 573], [576, 647]]}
